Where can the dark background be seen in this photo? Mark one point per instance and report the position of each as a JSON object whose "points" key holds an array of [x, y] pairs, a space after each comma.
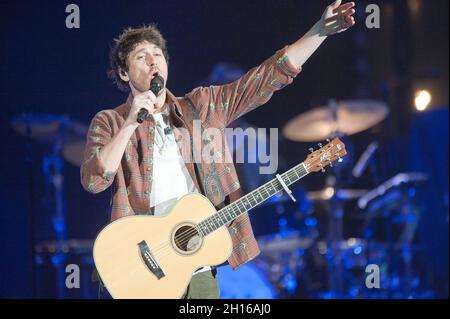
{"points": [[48, 68]]}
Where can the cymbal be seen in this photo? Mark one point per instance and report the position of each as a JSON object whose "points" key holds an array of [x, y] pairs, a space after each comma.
{"points": [[341, 194], [49, 127], [411, 178], [343, 117], [69, 135]]}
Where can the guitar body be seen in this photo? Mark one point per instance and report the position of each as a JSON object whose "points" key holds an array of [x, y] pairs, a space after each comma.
{"points": [[148, 257]]}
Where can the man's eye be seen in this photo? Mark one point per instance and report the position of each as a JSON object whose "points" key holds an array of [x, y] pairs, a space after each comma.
{"points": [[140, 57]]}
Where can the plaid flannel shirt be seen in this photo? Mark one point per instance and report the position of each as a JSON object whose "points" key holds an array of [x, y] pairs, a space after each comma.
{"points": [[212, 107]]}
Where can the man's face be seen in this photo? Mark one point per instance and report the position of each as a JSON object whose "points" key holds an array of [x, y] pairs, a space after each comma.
{"points": [[144, 63]]}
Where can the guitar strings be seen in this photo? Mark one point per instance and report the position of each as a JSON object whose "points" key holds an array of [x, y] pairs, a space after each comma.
{"points": [[185, 236], [291, 174], [164, 248]]}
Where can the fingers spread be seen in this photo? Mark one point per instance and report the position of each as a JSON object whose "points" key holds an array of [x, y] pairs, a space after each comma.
{"points": [[344, 7]]}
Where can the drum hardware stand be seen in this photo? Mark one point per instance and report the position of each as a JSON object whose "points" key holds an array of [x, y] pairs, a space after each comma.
{"points": [[63, 137], [53, 166]]}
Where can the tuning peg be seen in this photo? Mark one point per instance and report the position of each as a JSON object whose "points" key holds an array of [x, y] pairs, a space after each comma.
{"points": [[331, 164], [322, 170], [328, 140], [311, 149], [340, 160], [320, 144]]}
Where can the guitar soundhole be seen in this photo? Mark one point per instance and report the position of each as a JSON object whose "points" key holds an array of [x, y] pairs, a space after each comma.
{"points": [[187, 239]]}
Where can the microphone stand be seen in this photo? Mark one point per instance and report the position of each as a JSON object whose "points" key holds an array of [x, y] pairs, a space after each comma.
{"points": [[53, 166]]}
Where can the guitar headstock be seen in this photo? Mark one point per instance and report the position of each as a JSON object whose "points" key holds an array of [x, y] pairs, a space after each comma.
{"points": [[325, 155]]}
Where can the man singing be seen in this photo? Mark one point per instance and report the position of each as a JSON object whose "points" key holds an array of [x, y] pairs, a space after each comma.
{"points": [[144, 162]]}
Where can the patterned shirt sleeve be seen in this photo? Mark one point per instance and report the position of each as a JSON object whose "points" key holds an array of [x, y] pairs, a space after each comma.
{"points": [[94, 177], [230, 101]]}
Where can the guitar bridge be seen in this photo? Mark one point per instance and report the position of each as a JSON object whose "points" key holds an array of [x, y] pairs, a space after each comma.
{"points": [[149, 260]]}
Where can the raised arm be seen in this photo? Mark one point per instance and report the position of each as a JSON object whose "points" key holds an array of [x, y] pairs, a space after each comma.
{"points": [[335, 19], [224, 103]]}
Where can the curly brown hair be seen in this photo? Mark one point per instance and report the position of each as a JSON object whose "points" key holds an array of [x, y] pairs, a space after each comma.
{"points": [[126, 43]]}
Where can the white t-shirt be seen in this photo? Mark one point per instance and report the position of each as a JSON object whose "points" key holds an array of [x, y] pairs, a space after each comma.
{"points": [[171, 179]]}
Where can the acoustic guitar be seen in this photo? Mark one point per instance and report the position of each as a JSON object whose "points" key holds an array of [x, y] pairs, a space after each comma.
{"points": [[155, 256]]}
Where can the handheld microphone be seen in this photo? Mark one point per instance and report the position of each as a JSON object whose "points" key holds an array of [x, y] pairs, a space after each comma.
{"points": [[156, 85]]}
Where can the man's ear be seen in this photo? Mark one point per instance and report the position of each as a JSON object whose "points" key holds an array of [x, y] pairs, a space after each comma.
{"points": [[124, 75]]}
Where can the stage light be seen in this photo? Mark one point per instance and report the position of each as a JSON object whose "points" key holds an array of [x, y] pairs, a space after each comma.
{"points": [[422, 99]]}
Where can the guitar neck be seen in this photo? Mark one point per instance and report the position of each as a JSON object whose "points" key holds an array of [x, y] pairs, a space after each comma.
{"points": [[251, 200]]}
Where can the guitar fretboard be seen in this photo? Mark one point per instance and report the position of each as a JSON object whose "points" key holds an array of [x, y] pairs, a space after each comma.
{"points": [[251, 200]]}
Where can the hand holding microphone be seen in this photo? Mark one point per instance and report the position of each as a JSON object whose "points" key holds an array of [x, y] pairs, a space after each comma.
{"points": [[144, 103], [156, 85]]}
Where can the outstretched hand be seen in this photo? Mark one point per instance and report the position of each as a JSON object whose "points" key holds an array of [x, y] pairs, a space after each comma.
{"points": [[337, 18]]}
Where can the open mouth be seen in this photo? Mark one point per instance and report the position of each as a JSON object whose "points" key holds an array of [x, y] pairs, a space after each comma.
{"points": [[153, 75]]}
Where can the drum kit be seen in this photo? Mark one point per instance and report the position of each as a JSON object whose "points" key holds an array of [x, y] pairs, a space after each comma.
{"points": [[319, 247], [305, 247]]}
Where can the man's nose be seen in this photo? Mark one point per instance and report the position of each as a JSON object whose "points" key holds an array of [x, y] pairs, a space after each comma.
{"points": [[151, 60]]}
